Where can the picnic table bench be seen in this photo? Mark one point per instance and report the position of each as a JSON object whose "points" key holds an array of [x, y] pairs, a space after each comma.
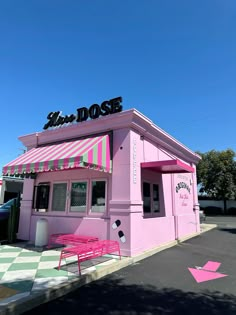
{"points": [[89, 251], [70, 239]]}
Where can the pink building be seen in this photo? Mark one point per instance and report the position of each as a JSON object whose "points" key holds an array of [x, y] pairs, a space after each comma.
{"points": [[117, 177]]}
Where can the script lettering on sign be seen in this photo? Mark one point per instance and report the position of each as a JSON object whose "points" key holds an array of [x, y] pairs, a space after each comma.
{"points": [[55, 119], [181, 188]]}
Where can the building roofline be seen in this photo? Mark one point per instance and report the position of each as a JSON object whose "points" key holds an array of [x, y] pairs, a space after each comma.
{"points": [[130, 118]]}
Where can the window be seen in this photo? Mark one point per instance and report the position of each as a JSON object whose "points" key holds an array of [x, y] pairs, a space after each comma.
{"points": [[59, 197], [98, 196], [150, 198], [155, 194], [78, 197], [146, 197], [41, 197], [72, 197]]}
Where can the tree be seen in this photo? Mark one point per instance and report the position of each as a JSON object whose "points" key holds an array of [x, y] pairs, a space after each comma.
{"points": [[216, 174]]}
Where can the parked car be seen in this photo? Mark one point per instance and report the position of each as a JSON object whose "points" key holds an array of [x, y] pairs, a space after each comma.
{"points": [[202, 216], [6, 208]]}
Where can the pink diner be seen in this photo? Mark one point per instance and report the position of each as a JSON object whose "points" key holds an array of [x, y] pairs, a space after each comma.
{"points": [[116, 176]]}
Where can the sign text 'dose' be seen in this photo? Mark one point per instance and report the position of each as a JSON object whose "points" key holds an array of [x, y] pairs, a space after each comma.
{"points": [[94, 111]]}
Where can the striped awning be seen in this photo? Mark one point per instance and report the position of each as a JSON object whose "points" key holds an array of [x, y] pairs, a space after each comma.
{"points": [[87, 153]]}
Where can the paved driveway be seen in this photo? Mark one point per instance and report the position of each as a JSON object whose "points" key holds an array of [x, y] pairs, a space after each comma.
{"points": [[162, 284]]}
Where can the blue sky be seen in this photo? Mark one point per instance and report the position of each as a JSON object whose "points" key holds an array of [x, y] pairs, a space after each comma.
{"points": [[175, 61]]}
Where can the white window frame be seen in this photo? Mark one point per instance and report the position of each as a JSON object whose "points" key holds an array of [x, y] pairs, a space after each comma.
{"points": [[87, 196], [51, 197], [88, 212], [36, 209], [152, 211]]}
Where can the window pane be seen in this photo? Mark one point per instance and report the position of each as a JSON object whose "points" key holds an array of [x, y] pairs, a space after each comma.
{"points": [[59, 197], [78, 197], [146, 197], [98, 196], [41, 198], [156, 198]]}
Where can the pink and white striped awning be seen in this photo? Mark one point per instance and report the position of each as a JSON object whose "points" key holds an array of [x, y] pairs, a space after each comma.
{"points": [[87, 153]]}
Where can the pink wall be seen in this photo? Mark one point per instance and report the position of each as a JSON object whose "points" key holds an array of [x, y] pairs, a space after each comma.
{"points": [[60, 222], [64, 224], [176, 218], [121, 165], [135, 139], [183, 193], [187, 218], [26, 210], [151, 232]]}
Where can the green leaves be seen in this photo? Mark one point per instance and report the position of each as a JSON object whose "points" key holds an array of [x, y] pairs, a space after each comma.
{"points": [[216, 174]]}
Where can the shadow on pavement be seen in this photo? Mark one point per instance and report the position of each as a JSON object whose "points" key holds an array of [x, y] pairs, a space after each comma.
{"points": [[230, 230], [109, 296]]}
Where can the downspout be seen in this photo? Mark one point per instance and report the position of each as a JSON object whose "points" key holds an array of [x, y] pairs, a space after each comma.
{"points": [[174, 208], [195, 197]]}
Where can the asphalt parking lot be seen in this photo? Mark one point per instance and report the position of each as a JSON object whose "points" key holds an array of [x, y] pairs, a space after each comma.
{"points": [[163, 283]]}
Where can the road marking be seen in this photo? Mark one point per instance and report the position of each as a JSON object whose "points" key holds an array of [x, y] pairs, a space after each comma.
{"points": [[211, 266], [207, 272]]}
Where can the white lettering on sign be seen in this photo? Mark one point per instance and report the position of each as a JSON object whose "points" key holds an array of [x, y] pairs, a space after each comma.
{"points": [[134, 162]]}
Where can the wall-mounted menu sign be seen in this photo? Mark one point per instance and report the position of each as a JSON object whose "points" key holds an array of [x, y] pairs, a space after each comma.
{"points": [[112, 106]]}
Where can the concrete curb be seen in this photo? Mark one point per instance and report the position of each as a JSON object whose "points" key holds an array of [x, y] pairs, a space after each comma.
{"points": [[207, 227], [35, 299]]}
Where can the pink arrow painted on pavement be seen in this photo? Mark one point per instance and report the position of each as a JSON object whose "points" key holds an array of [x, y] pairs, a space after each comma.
{"points": [[207, 272], [211, 266]]}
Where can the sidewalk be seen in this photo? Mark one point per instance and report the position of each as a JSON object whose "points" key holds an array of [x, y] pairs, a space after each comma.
{"points": [[29, 275]]}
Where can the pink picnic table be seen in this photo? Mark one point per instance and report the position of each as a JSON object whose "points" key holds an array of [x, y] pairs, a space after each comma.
{"points": [[70, 239], [90, 250]]}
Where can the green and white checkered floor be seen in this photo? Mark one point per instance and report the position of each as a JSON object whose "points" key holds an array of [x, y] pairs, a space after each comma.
{"points": [[25, 269]]}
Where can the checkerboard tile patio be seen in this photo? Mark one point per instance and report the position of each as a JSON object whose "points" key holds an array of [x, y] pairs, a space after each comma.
{"points": [[25, 269]]}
